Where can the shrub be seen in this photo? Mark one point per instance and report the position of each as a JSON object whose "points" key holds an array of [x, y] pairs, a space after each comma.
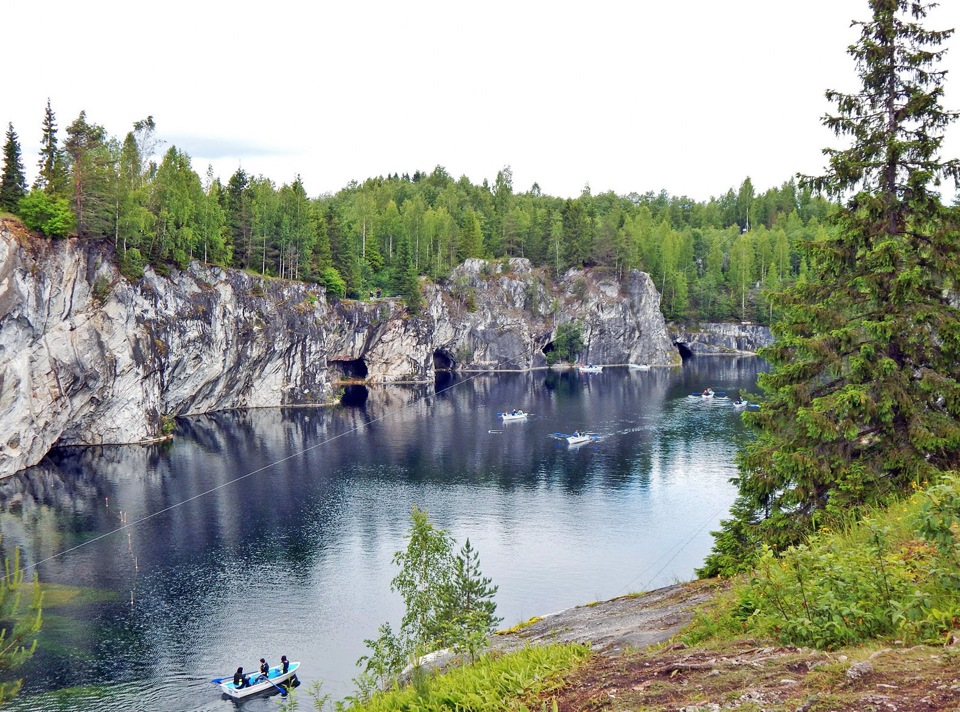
{"points": [[47, 215], [894, 574], [131, 264]]}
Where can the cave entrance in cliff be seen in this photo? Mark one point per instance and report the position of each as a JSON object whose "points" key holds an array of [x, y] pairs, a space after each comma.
{"points": [[354, 396], [350, 370], [684, 350], [442, 361]]}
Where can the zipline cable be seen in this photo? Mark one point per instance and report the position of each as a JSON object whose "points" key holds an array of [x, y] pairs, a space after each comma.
{"points": [[349, 431]]}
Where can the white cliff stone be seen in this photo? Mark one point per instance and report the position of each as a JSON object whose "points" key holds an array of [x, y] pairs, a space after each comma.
{"points": [[87, 357]]}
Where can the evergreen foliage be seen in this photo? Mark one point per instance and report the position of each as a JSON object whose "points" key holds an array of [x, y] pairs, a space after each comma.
{"points": [[51, 176], [863, 400], [389, 232], [13, 183]]}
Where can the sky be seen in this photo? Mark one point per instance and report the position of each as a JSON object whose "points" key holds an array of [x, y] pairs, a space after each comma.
{"points": [[687, 96]]}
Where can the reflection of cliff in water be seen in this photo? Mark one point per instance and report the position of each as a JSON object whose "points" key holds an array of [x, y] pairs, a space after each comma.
{"points": [[238, 471]]}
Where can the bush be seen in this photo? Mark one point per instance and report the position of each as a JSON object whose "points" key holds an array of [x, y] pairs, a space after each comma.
{"points": [[49, 216], [896, 574], [331, 279], [131, 264], [567, 344]]}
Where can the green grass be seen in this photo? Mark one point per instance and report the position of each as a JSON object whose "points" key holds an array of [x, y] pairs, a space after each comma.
{"points": [[513, 681], [520, 626]]}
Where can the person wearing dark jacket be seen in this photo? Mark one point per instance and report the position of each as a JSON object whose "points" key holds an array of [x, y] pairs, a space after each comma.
{"points": [[239, 680], [284, 664], [264, 668]]}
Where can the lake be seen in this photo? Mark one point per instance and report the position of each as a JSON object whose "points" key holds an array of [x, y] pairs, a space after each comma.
{"points": [[266, 532]]}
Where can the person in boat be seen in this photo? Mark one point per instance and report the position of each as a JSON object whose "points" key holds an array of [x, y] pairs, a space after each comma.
{"points": [[284, 664], [239, 679], [264, 667], [706, 392]]}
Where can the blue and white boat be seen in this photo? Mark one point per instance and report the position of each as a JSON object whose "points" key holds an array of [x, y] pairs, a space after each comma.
{"points": [[257, 682], [590, 368]]}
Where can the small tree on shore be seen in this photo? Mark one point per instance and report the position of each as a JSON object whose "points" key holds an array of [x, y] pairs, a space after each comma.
{"points": [[448, 603]]}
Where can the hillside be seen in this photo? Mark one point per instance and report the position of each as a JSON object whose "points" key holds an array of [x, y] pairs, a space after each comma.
{"points": [[642, 664]]}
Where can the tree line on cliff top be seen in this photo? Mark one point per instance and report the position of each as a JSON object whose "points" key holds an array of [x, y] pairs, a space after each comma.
{"points": [[714, 260]]}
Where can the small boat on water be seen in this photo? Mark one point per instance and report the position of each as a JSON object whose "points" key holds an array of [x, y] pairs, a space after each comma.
{"points": [[589, 368], [639, 366], [515, 414], [257, 682], [577, 438], [740, 403]]}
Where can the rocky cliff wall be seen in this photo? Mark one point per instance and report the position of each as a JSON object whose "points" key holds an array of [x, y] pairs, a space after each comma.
{"points": [[720, 339], [88, 358]]}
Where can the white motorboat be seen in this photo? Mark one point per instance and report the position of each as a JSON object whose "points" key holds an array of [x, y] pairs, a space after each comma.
{"points": [[514, 414], [257, 682], [590, 368], [577, 438]]}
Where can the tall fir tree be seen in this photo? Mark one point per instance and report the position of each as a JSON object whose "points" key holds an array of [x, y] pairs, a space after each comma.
{"points": [[863, 401], [13, 183], [52, 172]]}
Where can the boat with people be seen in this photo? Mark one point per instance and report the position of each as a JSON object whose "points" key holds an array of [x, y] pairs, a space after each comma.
{"points": [[256, 682], [589, 368], [740, 403], [577, 437], [709, 393], [515, 414]]}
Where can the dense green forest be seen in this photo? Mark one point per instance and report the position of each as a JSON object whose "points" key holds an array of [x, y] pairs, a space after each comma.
{"points": [[711, 260]]}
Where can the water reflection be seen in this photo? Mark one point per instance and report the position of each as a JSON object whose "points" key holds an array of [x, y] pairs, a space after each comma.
{"points": [[271, 531]]}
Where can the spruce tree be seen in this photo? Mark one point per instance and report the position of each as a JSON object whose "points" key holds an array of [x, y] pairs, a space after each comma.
{"points": [[51, 176], [13, 183], [863, 401], [467, 609]]}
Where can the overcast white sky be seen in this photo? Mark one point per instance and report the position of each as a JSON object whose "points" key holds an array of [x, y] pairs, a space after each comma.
{"points": [[690, 96]]}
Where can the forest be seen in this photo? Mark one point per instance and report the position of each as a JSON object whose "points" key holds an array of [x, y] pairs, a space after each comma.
{"points": [[711, 261]]}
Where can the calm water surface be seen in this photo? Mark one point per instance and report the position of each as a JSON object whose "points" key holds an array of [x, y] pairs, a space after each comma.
{"points": [[271, 532]]}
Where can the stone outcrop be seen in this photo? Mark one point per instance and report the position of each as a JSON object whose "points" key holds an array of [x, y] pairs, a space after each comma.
{"points": [[87, 357], [721, 339]]}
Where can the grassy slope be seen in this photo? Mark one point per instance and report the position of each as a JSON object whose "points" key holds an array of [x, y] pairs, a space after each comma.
{"points": [[767, 642]]}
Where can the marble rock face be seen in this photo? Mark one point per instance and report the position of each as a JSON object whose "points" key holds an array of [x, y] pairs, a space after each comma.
{"points": [[87, 357]]}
